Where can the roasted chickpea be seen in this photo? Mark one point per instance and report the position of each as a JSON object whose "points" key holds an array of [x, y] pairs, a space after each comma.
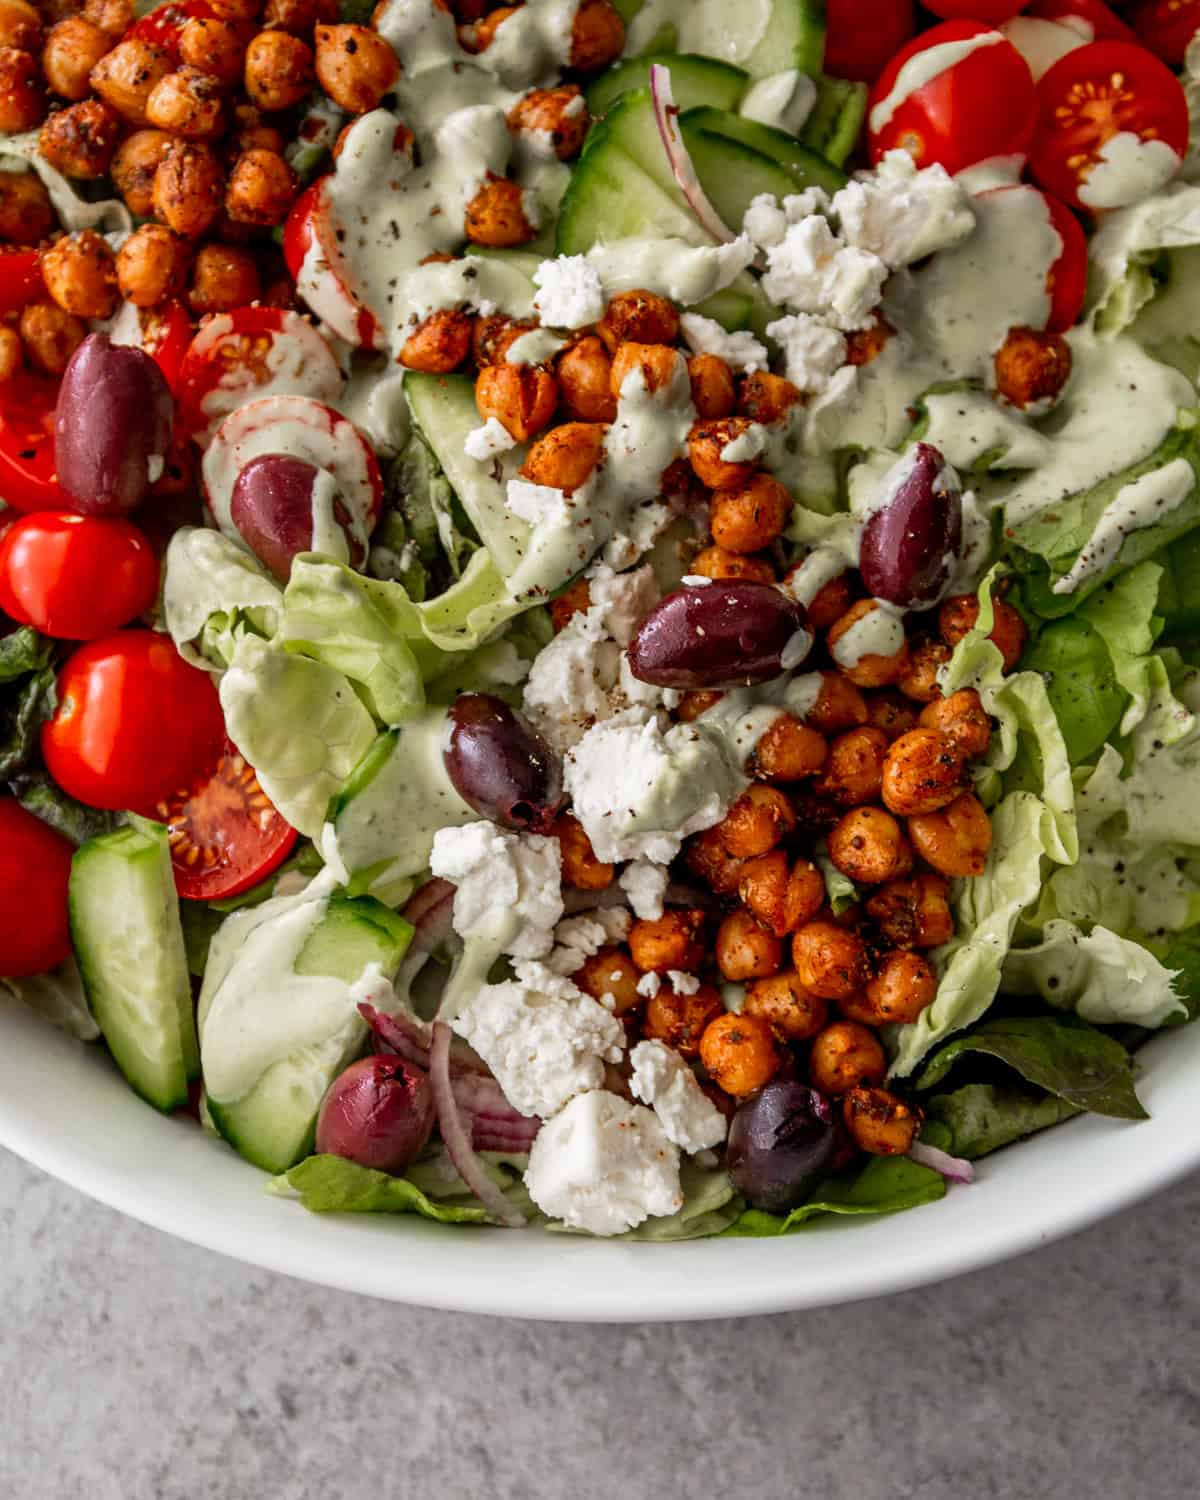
{"points": [[766, 398], [80, 273], [844, 1056], [744, 949], [574, 600], [73, 48], [126, 77], [751, 517], [892, 712], [216, 48], [187, 188], [920, 682], [786, 1006], [868, 846], [709, 860], [355, 66], [673, 941], [585, 381], [741, 1053], [300, 16], [134, 166], [830, 960], [638, 317], [922, 771], [880, 1122], [12, 352], [235, 10], [26, 215], [866, 344], [681, 1020], [788, 751], [152, 264], [580, 867], [114, 17], [497, 215], [81, 140], [187, 103], [913, 913], [963, 717], [760, 818], [658, 364], [223, 277], [903, 987], [561, 113], [695, 703], [20, 25], [252, 133], [597, 35], [716, 562], [440, 343], [780, 898], [22, 98], [278, 71], [50, 336], [479, 35], [815, 815], [839, 705], [521, 397], [706, 443], [610, 972], [566, 457], [830, 602], [956, 839], [1032, 366], [261, 188], [853, 773], [493, 336], [867, 669], [713, 395], [959, 616]]}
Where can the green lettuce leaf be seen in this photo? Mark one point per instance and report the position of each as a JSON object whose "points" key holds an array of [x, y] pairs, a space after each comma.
{"points": [[38, 794], [1100, 975], [1183, 959], [1127, 244], [213, 593], [1072, 660], [25, 705], [59, 996], [24, 651], [982, 1117], [840, 890], [885, 1185], [333, 1185]]}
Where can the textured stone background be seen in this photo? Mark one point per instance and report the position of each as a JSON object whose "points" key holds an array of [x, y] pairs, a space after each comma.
{"points": [[134, 1367]]}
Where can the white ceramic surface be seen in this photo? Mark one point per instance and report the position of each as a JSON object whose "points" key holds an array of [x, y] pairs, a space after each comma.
{"points": [[64, 1108]]}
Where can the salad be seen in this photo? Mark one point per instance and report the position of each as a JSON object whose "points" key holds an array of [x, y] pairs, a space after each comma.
{"points": [[600, 598]]}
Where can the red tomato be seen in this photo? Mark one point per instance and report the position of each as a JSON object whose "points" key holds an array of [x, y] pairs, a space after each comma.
{"points": [[991, 11], [1105, 24], [328, 291], [225, 835], [75, 577], [1067, 282], [958, 94], [1092, 95], [162, 26], [20, 279], [862, 34], [1167, 26], [34, 865], [27, 475], [166, 333], [134, 723]]}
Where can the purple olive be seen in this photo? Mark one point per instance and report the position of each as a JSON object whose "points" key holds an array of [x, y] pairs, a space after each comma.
{"points": [[719, 635], [272, 508], [379, 1113], [112, 426], [781, 1142], [501, 766], [912, 542]]}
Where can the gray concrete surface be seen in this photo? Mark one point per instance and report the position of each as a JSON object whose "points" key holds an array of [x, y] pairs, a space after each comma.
{"points": [[134, 1367]]}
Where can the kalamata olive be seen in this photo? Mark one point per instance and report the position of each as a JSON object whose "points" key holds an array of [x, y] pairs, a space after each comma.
{"points": [[272, 507], [112, 426], [911, 543], [781, 1142], [717, 635], [379, 1113], [500, 765]]}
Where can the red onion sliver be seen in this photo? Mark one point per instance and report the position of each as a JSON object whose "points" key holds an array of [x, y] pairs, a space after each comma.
{"points": [[667, 118], [430, 909], [404, 1033], [456, 1139], [952, 1168]]}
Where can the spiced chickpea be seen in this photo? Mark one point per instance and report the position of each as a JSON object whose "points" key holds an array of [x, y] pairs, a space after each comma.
{"points": [[658, 365], [187, 189], [575, 600], [838, 705], [20, 25], [1032, 366], [497, 216], [261, 188], [22, 98], [843, 1056], [868, 846], [830, 602], [300, 16], [751, 517], [913, 913], [758, 820], [853, 773], [780, 898], [215, 47], [815, 815], [673, 941], [26, 214], [50, 336], [788, 751], [522, 398], [73, 48], [566, 457], [901, 989], [864, 345], [355, 66], [867, 668], [12, 353], [713, 394], [892, 712], [610, 972], [766, 398], [963, 717], [252, 133], [709, 860], [152, 264], [718, 562], [706, 443], [113, 17], [80, 273], [922, 771], [745, 949], [223, 277], [880, 1122], [958, 616], [81, 140], [580, 867], [920, 681], [278, 71], [780, 1000], [440, 343], [681, 1020], [597, 35], [585, 381], [126, 77], [134, 166], [956, 839], [559, 113], [638, 317], [236, 10], [493, 336], [830, 960], [188, 103], [696, 702], [740, 1052]]}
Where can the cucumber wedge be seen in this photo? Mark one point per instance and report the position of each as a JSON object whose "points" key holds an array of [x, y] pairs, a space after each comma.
{"points": [[836, 122], [804, 166], [129, 944], [734, 173], [695, 80], [761, 36]]}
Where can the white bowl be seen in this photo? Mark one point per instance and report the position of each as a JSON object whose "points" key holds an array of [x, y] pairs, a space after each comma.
{"points": [[64, 1108]]}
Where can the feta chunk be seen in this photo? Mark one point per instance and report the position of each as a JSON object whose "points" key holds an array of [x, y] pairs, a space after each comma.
{"points": [[649, 985], [768, 219], [812, 270], [747, 446], [570, 292], [487, 442], [683, 984], [578, 938], [574, 682], [543, 1038], [536, 503], [604, 1165], [663, 1080], [503, 881], [646, 885], [741, 350], [901, 213], [623, 599], [812, 351]]}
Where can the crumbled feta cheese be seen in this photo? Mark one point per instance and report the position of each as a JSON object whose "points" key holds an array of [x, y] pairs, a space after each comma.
{"points": [[812, 270], [649, 985], [574, 682], [493, 438], [748, 446], [543, 1038], [645, 884], [623, 599], [502, 878], [741, 350], [901, 213], [767, 220], [570, 292], [535, 503], [812, 350], [681, 983], [578, 938], [604, 1165], [663, 1080]]}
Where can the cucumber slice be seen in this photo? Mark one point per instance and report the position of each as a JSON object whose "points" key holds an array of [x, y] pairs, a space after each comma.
{"points": [[612, 198], [836, 122], [761, 36], [795, 38], [129, 945], [695, 80], [804, 167]]}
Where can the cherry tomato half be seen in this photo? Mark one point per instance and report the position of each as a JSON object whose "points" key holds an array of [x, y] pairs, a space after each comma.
{"points": [[1112, 126], [134, 723], [957, 94], [327, 290], [1067, 282], [75, 577], [27, 467], [862, 35], [20, 279], [991, 11], [1100, 23], [225, 835], [1167, 27], [34, 865], [162, 26], [166, 333]]}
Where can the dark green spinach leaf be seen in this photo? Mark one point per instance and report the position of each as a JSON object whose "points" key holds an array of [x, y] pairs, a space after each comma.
{"points": [[981, 1117], [886, 1185]]}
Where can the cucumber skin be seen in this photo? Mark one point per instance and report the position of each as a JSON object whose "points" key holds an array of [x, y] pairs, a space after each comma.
{"points": [[695, 80]]}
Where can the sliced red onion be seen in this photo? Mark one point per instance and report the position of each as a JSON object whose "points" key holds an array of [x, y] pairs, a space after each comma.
{"points": [[404, 1033], [455, 1136], [952, 1168], [430, 909], [666, 116]]}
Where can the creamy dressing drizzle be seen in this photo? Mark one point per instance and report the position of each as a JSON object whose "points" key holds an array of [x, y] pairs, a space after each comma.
{"points": [[328, 536], [1142, 502], [880, 632], [715, 28], [923, 68], [783, 101]]}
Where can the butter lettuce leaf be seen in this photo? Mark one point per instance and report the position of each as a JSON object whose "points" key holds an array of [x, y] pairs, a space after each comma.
{"points": [[1125, 247], [1100, 975], [979, 1118], [333, 1185], [59, 996], [214, 592], [885, 1185]]}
